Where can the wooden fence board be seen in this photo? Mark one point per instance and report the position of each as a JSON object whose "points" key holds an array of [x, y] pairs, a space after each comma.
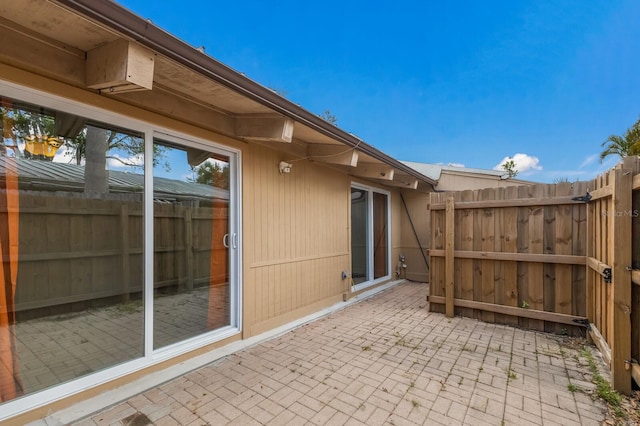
{"points": [[486, 266], [528, 201], [510, 245], [523, 247], [535, 270], [515, 257], [635, 324], [579, 248], [511, 310], [477, 264], [466, 243], [498, 267], [449, 259], [563, 286], [548, 247]]}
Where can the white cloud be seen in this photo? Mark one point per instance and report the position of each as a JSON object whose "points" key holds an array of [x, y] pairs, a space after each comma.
{"points": [[523, 163]]}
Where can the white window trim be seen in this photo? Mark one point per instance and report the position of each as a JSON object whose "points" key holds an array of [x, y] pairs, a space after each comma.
{"points": [[370, 261], [149, 358]]}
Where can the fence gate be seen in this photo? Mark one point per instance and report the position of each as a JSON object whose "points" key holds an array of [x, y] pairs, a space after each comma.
{"points": [[612, 254], [556, 258]]}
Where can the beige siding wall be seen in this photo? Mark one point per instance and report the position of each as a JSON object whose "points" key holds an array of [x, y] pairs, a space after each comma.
{"points": [[296, 226], [452, 181], [296, 238]]}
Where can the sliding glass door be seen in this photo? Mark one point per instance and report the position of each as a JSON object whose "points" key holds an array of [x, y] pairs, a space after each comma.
{"points": [[370, 250], [193, 243], [119, 242]]}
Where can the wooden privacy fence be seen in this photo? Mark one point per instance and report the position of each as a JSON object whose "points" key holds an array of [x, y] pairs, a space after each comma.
{"points": [[511, 255], [553, 258]]}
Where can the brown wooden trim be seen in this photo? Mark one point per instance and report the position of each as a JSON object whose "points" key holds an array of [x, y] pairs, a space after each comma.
{"points": [[517, 257], [605, 191], [635, 277], [602, 345], [511, 310], [636, 182], [520, 202]]}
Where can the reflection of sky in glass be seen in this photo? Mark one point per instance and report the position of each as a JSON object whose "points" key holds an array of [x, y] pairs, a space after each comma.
{"points": [[178, 165], [179, 168]]}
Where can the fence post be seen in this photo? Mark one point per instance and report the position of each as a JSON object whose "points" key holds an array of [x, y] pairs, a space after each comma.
{"points": [[590, 252], [449, 256], [620, 302]]}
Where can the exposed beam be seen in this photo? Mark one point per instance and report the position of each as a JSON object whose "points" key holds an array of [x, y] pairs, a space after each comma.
{"points": [[260, 128], [120, 66], [333, 154], [373, 171], [403, 181], [21, 48], [181, 108]]}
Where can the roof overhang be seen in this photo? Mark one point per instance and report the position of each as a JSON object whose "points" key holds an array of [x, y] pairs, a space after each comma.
{"points": [[231, 103]]}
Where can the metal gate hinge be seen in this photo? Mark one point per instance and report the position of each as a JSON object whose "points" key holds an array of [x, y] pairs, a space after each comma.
{"points": [[606, 273], [584, 322], [583, 198]]}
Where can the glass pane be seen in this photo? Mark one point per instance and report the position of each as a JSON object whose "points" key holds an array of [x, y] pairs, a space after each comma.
{"points": [[71, 233], [359, 265], [380, 236], [191, 262]]}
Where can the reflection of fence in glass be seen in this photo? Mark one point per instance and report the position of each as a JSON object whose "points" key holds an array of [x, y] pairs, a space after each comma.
{"points": [[191, 273]]}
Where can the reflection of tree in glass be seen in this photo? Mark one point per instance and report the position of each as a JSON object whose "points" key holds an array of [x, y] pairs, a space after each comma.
{"points": [[212, 173], [37, 128], [34, 130]]}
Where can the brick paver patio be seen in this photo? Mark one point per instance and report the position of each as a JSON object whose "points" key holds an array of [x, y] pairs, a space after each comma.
{"points": [[385, 360]]}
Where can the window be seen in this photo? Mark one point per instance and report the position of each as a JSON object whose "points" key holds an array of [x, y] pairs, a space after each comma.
{"points": [[370, 250], [71, 227], [192, 291]]}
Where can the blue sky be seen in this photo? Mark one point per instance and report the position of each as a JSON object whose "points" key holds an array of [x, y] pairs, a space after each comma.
{"points": [[456, 82]]}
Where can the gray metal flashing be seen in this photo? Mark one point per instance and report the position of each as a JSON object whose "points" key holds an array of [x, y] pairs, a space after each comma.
{"points": [[146, 33]]}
